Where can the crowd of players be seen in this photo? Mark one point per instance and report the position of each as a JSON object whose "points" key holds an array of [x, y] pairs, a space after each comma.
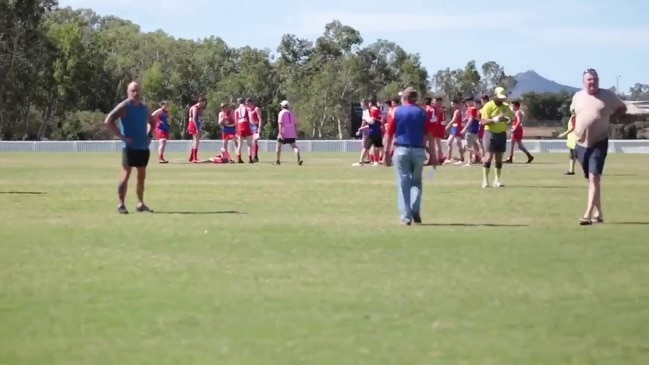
{"points": [[240, 124], [462, 130]]}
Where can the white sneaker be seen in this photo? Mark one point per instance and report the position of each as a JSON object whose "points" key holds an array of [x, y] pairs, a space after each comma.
{"points": [[459, 163], [468, 164], [375, 164], [498, 184], [485, 184], [357, 164]]}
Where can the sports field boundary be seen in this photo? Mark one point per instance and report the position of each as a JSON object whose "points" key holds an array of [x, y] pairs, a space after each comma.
{"points": [[316, 146]]}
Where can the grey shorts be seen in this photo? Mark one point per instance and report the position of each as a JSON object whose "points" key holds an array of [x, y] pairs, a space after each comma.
{"points": [[495, 142], [471, 139]]}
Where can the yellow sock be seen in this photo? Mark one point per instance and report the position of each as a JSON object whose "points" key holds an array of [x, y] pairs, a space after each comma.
{"points": [[485, 173], [498, 174]]}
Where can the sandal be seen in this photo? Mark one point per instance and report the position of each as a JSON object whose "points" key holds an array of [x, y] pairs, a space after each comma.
{"points": [[585, 222]]}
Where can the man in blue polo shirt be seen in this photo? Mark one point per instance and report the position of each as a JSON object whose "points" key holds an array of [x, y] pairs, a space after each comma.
{"points": [[410, 130]]}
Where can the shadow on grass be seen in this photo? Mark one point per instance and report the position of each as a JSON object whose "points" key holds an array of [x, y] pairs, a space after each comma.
{"points": [[199, 213], [471, 225], [629, 223], [620, 174], [23, 192], [544, 187]]}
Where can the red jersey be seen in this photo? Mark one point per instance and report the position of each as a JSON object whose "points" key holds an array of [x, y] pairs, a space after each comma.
{"points": [[195, 114], [242, 115], [228, 119], [471, 113], [518, 121], [457, 120], [440, 114], [375, 113], [430, 113], [254, 115]]}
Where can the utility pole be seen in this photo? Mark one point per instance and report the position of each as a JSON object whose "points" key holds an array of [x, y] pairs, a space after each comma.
{"points": [[617, 84]]}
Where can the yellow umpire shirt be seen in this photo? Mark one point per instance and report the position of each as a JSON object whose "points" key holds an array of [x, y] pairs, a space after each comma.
{"points": [[490, 110]]}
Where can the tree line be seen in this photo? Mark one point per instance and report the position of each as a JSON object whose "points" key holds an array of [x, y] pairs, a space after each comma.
{"points": [[64, 69]]}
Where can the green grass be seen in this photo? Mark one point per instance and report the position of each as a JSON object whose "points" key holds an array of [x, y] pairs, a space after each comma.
{"points": [[316, 269]]}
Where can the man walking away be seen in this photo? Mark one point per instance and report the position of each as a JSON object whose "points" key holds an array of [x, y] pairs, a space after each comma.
{"points": [[517, 134], [411, 131]]}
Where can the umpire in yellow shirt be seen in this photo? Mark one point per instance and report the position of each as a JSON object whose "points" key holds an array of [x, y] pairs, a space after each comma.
{"points": [[496, 115]]}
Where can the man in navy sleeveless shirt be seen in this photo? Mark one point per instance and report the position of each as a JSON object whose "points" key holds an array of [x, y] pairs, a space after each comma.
{"points": [[410, 130], [135, 129]]}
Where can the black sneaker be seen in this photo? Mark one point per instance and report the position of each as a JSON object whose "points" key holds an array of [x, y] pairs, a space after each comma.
{"points": [[142, 208], [277, 163], [530, 158], [569, 173], [256, 159], [122, 210], [416, 218], [300, 162]]}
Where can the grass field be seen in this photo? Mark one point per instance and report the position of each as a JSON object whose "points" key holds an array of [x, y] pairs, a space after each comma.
{"points": [[308, 265]]}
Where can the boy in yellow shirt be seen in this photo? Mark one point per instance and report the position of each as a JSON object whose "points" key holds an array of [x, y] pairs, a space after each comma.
{"points": [[571, 143]]}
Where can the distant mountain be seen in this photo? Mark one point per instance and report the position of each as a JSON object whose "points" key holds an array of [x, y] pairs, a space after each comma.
{"points": [[530, 81]]}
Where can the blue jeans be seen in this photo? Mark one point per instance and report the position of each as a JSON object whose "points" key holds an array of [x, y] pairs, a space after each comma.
{"points": [[409, 165]]}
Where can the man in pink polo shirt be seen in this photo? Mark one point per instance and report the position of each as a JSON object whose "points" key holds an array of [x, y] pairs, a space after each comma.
{"points": [[287, 132]]}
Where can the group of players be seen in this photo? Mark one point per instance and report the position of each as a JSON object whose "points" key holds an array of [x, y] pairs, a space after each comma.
{"points": [[242, 124], [239, 125], [463, 130]]}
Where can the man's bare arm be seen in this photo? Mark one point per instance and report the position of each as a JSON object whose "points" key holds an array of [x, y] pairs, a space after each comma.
{"points": [[111, 119], [261, 120], [153, 120]]}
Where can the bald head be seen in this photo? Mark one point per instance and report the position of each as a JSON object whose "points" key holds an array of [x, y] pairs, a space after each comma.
{"points": [[133, 91]]}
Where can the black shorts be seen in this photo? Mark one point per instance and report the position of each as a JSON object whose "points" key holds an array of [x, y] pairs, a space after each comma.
{"points": [[592, 158], [286, 140], [373, 140], [495, 142], [135, 158]]}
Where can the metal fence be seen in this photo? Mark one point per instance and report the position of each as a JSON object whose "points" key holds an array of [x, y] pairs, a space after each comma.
{"points": [[317, 146]]}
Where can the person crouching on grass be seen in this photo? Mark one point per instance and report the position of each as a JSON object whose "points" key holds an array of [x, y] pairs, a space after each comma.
{"points": [[411, 131], [288, 125]]}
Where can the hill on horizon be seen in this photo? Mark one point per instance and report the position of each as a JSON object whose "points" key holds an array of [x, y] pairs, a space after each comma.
{"points": [[530, 81]]}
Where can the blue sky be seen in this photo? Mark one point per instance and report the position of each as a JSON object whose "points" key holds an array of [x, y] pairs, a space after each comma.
{"points": [[558, 39]]}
